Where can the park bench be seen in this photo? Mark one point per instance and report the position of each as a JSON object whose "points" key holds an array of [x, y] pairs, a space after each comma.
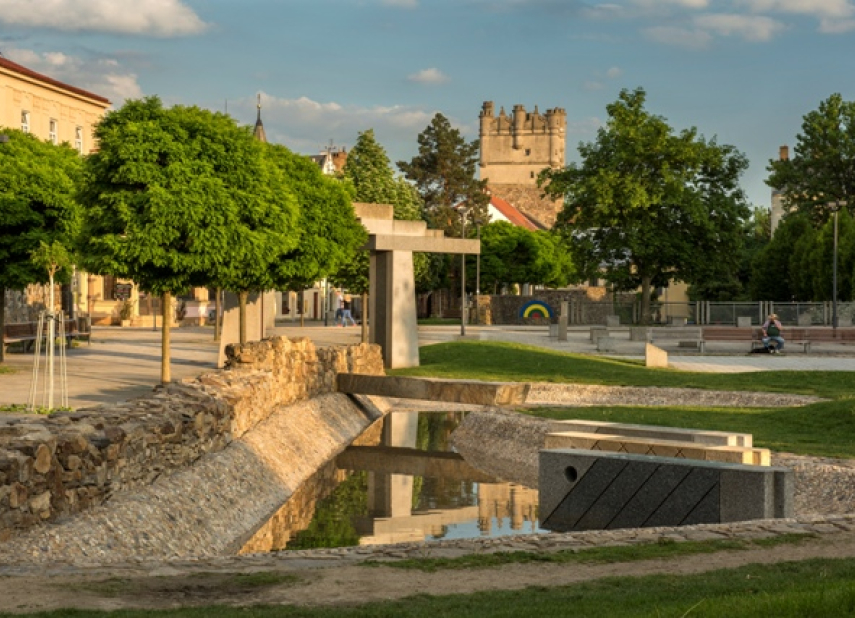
{"points": [[686, 336], [26, 333], [821, 335], [754, 336]]}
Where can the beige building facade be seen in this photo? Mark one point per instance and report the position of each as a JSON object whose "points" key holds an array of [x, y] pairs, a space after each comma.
{"points": [[60, 113], [47, 108]]}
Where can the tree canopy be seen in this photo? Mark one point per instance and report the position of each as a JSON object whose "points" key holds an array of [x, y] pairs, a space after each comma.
{"points": [[821, 170], [183, 197], [511, 254], [646, 204], [373, 181], [329, 233], [37, 205], [444, 174]]}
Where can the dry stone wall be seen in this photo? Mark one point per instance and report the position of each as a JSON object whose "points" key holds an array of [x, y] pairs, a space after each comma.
{"points": [[64, 463]]}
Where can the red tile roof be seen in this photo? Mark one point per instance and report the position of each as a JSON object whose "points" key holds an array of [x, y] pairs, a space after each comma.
{"points": [[21, 70], [512, 214]]}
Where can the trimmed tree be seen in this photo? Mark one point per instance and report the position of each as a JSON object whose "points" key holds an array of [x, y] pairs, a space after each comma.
{"points": [[649, 205], [37, 205], [182, 197], [329, 233]]}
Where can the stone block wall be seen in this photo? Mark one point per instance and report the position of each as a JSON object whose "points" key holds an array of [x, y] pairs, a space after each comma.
{"points": [[587, 306], [56, 465]]}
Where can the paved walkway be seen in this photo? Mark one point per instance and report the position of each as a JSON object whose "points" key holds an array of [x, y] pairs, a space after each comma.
{"points": [[122, 363]]}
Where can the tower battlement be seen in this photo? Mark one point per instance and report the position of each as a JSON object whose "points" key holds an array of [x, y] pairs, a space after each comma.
{"points": [[516, 147]]}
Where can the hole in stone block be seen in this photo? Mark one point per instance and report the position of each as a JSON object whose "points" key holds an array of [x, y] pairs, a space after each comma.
{"points": [[571, 473]]}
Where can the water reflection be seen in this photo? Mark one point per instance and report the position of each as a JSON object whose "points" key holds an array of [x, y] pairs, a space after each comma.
{"points": [[399, 483]]}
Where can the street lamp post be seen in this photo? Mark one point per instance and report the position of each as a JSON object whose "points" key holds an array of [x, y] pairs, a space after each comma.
{"points": [[463, 212], [834, 273], [477, 273]]}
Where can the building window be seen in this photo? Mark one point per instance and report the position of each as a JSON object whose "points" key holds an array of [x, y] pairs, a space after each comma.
{"points": [[25, 121], [531, 174], [528, 152], [52, 131], [78, 139]]}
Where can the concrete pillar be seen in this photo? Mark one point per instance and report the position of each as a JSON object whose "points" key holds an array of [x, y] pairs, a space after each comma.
{"points": [[392, 307], [562, 320]]}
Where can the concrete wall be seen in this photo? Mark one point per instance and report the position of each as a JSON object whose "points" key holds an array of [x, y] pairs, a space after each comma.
{"points": [[65, 463]]}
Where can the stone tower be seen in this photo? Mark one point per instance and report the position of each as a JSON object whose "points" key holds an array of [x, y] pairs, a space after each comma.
{"points": [[515, 149]]}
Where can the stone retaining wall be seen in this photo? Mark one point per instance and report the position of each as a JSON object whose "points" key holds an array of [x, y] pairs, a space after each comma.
{"points": [[56, 465]]}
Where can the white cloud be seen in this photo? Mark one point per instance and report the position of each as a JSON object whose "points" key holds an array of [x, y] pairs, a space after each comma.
{"points": [[614, 73], [835, 16], [102, 76], [162, 18], [749, 27], [679, 37], [836, 26], [403, 4], [818, 8], [428, 76], [593, 85], [305, 125], [687, 4]]}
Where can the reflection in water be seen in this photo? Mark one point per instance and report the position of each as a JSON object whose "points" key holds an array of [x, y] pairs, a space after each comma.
{"points": [[398, 483]]}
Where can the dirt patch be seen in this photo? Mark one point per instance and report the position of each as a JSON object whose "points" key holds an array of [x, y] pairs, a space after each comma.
{"points": [[243, 584]]}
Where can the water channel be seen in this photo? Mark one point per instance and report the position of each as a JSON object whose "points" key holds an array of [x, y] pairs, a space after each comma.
{"points": [[398, 482]]}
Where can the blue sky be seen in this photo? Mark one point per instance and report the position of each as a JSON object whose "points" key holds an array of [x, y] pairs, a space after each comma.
{"points": [[743, 71]]}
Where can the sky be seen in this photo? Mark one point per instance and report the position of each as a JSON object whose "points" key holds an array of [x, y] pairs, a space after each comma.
{"points": [[744, 72]]}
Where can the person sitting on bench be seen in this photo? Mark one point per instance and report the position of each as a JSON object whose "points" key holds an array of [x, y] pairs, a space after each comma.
{"points": [[772, 334]]}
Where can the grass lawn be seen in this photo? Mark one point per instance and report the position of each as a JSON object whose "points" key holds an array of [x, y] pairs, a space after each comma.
{"points": [[822, 429]]}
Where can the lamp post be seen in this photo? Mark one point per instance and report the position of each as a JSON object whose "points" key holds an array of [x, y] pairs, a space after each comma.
{"points": [[463, 212], [477, 273], [834, 273]]}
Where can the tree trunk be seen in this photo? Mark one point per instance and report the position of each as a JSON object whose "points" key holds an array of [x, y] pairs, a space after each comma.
{"points": [[166, 307], [218, 324], [242, 296], [365, 317], [2, 323], [645, 299]]}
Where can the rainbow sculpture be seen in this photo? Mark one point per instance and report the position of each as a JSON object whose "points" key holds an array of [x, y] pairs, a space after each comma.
{"points": [[536, 309]]}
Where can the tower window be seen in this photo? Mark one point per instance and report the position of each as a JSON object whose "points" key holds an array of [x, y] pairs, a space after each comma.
{"points": [[528, 152], [531, 174], [78, 139], [52, 131], [25, 121]]}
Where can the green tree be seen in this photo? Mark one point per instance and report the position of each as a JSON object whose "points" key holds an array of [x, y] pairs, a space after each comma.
{"points": [[444, 174], [511, 254], [819, 174], [183, 197], [651, 205], [330, 234], [736, 285], [776, 271], [369, 172], [37, 205]]}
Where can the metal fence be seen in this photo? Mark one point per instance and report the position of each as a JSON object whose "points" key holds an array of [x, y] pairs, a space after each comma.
{"points": [[716, 313]]}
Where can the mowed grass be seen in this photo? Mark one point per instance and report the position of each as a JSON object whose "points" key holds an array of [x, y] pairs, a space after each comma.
{"points": [[824, 429], [494, 360], [810, 588]]}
